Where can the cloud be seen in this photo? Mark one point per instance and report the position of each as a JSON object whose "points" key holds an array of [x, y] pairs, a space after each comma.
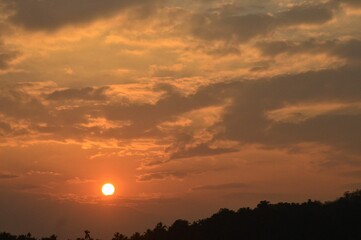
{"points": [[352, 174], [347, 49], [317, 106], [300, 113], [305, 14], [246, 119], [170, 105], [53, 14], [87, 93], [352, 3], [226, 186], [51, 173], [5, 127], [223, 25], [239, 28], [158, 176], [202, 149], [16, 102], [5, 175], [77, 180], [154, 199], [6, 55], [27, 187]]}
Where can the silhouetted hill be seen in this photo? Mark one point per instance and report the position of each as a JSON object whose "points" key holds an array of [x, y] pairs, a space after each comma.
{"points": [[311, 220]]}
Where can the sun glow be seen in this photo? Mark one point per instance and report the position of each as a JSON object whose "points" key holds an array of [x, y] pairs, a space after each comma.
{"points": [[108, 189]]}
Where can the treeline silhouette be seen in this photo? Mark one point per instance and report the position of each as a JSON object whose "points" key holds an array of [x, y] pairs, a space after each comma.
{"points": [[311, 220]]}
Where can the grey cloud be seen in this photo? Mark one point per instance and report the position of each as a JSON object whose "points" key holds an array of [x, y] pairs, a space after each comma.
{"points": [[161, 176], [88, 93], [309, 14], [36, 172], [4, 175], [145, 117], [18, 103], [245, 120], [5, 127], [26, 187], [200, 150], [156, 199], [240, 28], [352, 174], [274, 48], [236, 28], [352, 3], [6, 56], [226, 186], [349, 49], [54, 14]]}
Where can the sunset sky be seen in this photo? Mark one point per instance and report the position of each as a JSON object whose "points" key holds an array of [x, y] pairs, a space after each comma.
{"points": [[186, 106]]}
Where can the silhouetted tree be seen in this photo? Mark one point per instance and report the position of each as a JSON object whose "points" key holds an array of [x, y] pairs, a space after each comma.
{"points": [[28, 236], [179, 230], [118, 236], [311, 220], [136, 236], [7, 236], [51, 237], [87, 235]]}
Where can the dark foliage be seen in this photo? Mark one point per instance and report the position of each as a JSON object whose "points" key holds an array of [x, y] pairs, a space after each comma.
{"points": [[311, 220]]}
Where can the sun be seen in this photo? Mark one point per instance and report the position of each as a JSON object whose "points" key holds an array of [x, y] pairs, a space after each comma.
{"points": [[108, 189]]}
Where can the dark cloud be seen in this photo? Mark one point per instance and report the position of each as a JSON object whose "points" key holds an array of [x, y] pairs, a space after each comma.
{"points": [[18, 103], [54, 14], [200, 150], [226, 186], [145, 117], [236, 28], [5, 127], [246, 120], [50, 173], [349, 49], [153, 200], [352, 174], [308, 14], [26, 187], [88, 93], [4, 175], [221, 25], [6, 56], [352, 3], [161, 176]]}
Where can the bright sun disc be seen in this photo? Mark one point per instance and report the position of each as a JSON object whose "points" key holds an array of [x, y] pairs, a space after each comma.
{"points": [[108, 189]]}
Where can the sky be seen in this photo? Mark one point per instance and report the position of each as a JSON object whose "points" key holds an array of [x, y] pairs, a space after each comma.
{"points": [[185, 106]]}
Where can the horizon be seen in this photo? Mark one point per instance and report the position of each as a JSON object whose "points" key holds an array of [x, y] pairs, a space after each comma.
{"points": [[313, 211], [185, 107]]}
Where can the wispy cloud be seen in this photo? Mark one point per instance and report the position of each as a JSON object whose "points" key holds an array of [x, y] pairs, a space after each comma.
{"points": [[220, 187], [6, 175]]}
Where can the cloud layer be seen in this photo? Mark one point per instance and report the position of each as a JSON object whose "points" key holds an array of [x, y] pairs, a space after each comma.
{"points": [[176, 103]]}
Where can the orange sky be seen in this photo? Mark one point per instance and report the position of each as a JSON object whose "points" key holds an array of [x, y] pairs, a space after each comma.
{"points": [[186, 106]]}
